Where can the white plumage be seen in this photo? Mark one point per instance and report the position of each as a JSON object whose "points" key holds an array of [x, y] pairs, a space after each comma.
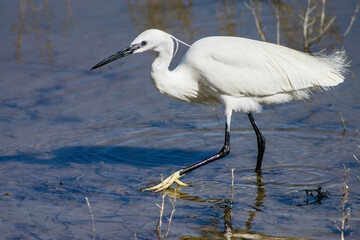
{"points": [[240, 73]]}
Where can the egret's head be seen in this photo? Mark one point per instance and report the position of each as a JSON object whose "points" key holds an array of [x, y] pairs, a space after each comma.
{"points": [[151, 39]]}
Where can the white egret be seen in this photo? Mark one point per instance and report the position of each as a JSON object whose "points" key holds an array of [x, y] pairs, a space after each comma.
{"points": [[239, 73]]}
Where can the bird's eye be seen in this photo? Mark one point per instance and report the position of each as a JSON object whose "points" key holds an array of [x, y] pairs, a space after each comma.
{"points": [[143, 43]]}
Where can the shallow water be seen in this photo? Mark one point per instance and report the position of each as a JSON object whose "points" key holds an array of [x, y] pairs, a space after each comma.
{"points": [[67, 133]]}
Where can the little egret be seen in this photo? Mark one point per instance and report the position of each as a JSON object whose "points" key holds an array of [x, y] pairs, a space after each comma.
{"points": [[239, 73]]}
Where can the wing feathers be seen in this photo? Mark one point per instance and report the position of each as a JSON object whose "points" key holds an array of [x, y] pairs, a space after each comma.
{"points": [[244, 67]]}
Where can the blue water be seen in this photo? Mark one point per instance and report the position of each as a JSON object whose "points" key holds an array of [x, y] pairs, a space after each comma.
{"points": [[68, 133]]}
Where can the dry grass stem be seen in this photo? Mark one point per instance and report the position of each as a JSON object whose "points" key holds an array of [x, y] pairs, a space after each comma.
{"points": [[321, 32], [256, 15], [322, 17], [343, 225], [277, 15], [356, 159], [308, 24], [173, 202], [92, 217], [158, 225], [162, 208], [315, 13], [232, 181], [352, 19], [342, 121], [355, 156]]}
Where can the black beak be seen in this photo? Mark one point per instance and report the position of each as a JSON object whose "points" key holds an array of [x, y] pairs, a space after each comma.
{"points": [[123, 53]]}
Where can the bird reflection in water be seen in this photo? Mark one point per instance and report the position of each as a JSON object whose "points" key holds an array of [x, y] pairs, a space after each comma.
{"points": [[226, 206]]}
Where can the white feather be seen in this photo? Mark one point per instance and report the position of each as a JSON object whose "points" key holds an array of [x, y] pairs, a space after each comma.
{"points": [[245, 73], [242, 74]]}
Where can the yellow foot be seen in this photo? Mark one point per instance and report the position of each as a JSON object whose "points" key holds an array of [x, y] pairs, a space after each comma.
{"points": [[167, 183]]}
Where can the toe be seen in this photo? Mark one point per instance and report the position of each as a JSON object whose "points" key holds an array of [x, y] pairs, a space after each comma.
{"points": [[180, 183], [167, 183]]}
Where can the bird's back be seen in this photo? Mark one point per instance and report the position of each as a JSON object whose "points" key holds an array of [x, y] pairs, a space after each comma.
{"points": [[243, 67]]}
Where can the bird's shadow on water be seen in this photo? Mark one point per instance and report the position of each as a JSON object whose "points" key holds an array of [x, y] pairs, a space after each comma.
{"points": [[118, 165], [136, 156], [91, 170]]}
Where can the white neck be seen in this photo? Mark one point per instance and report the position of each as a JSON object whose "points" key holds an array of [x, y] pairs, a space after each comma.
{"points": [[177, 84], [160, 73]]}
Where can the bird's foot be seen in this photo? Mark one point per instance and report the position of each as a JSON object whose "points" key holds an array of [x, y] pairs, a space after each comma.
{"points": [[167, 183]]}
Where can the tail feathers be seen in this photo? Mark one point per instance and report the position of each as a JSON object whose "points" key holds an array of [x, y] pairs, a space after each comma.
{"points": [[337, 61]]}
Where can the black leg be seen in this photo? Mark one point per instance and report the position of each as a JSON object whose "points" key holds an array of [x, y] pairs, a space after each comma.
{"points": [[260, 142], [225, 150]]}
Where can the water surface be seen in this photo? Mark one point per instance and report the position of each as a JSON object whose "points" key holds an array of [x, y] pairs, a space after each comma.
{"points": [[67, 133]]}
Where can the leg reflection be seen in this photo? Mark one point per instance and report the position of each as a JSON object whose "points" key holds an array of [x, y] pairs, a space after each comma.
{"points": [[257, 207], [259, 201]]}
